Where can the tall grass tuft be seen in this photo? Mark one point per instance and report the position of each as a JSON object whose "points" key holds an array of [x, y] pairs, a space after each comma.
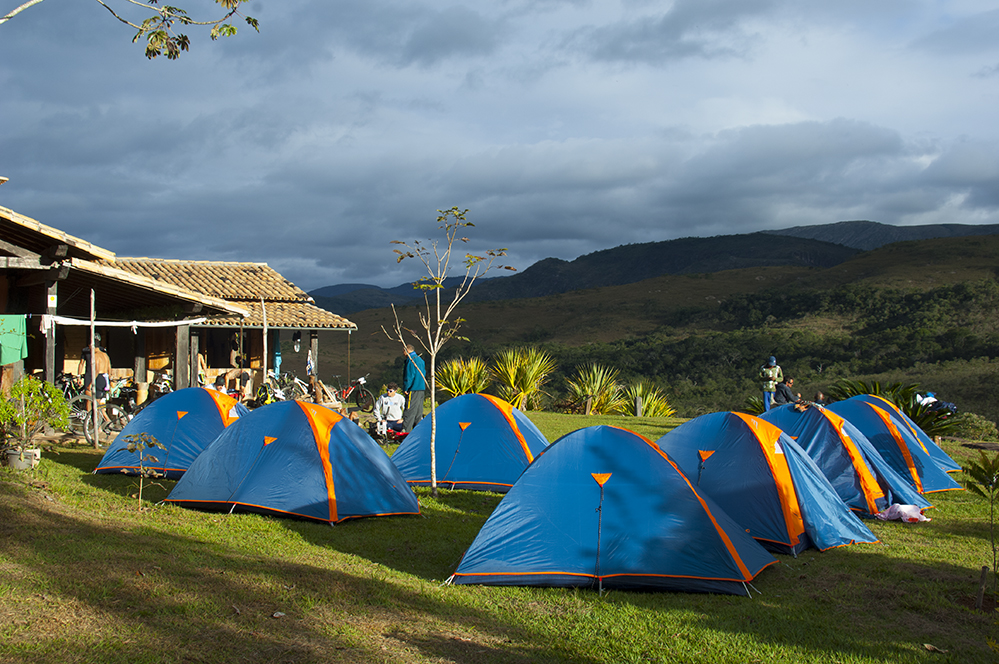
{"points": [[520, 374], [460, 376], [599, 383], [654, 401]]}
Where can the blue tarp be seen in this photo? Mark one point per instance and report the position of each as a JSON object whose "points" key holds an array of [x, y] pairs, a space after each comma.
{"points": [[764, 481], [185, 422], [483, 443], [296, 459], [649, 528]]}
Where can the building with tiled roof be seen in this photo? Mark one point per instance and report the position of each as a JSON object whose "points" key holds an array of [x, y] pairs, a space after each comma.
{"points": [[155, 314], [255, 287]]}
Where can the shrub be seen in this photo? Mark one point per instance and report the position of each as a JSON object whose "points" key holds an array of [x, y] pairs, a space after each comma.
{"points": [[31, 405], [654, 401], [460, 376], [520, 373], [975, 427], [599, 383]]}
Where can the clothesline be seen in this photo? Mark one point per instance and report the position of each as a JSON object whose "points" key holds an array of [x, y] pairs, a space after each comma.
{"points": [[49, 320]]}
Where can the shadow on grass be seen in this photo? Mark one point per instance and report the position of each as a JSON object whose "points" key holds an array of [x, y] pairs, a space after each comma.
{"points": [[429, 546], [120, 594], [148, 590]]}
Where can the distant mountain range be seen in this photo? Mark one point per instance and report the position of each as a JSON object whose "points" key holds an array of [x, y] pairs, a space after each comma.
{"points": [[819, 246]]}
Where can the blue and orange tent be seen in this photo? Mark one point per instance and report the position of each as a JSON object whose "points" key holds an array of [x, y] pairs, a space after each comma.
{"points": [[483, 443], [296, 459], [896, 444], [861, 477], [764, 481], [605, 507], [941, 458], [184, 422]]}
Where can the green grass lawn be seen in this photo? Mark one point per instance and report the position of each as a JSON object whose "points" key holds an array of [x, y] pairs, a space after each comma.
{"points": [[87, 574]]}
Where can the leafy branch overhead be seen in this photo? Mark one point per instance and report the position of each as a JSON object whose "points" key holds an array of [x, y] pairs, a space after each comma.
{"points": [[159, 29]]}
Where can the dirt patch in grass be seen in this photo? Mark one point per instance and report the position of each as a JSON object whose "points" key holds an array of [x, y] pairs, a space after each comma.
{"points": [[989, 602]]}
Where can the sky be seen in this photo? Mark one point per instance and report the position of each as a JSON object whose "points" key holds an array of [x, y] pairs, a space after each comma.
{"points": [[563, 126]]}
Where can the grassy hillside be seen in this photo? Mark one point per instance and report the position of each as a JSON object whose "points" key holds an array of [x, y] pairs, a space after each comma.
{"points": [[751, 312]]}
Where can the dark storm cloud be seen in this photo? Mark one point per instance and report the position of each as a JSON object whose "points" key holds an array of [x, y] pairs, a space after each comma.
{"points": [[345, 125], [689, 28]]}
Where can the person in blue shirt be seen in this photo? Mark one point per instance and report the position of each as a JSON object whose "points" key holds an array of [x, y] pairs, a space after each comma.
{"points": [[414, 387]]}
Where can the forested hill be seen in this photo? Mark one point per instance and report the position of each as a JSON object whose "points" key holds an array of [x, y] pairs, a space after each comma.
{"points": [[626, 264], [632, 263], [869, 235], [823, 245], [922, 311]]}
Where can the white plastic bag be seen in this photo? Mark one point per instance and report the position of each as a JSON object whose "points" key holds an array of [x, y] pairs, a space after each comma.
{"points": [[906, 513]]}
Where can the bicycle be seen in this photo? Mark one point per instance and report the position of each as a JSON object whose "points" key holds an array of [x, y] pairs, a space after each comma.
{"points": [[72, 390], [118, 410], [363, 397], [280, 387]]}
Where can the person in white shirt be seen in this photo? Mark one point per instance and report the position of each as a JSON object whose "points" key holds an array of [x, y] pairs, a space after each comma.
{"points": [[389, 408]]}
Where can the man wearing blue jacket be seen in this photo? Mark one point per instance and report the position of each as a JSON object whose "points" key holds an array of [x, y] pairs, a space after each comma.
{"points": [[414, 386]]}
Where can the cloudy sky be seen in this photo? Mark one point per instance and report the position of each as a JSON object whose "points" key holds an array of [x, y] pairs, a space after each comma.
{"points": [[565, 126]]}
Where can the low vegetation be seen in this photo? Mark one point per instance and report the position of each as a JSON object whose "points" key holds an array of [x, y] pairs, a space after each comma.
{"points": [[84, 577]]}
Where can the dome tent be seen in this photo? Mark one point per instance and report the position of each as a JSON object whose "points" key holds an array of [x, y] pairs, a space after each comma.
{"points": [[896, 444], [605, 507], [184, 422], [941, 458], [861, 477], [764, 481], [483, 443], [298, 459]]}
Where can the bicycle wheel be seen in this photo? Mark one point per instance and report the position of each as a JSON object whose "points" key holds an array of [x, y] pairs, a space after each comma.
{"points": [[78, 414], [116, 418], [113, 419], [364, 400]]}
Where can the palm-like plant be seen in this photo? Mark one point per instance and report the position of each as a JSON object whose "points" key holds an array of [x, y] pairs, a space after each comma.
{"points": [[460, 376], [520, 374], [654, 401], [598, 383], [932, 422]]}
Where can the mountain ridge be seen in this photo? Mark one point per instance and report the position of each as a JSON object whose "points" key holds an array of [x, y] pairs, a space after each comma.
{"points": [[823, 245]]}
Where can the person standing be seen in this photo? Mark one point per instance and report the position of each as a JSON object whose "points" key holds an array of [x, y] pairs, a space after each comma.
{"points": [[770, 375], [414, 386], [101, 370]]}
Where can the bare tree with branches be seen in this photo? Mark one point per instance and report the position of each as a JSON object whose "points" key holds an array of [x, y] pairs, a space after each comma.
{"points": [[438, 322]]}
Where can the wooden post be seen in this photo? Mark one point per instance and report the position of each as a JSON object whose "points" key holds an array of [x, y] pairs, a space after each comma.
{"points": [[181, 358], [314, 346], [589, 405], [638, 405], [194, 370], [263, 311], [139, 370], [93, 371], [51, 303]]}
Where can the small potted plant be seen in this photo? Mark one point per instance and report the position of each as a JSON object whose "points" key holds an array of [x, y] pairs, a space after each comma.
{"points": [[24, 413]]}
